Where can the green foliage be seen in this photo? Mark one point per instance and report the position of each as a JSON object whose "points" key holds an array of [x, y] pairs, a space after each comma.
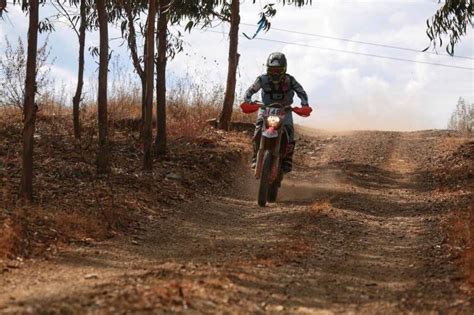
{"points": [[298, 3], [451, 19], [189, 26], [74, 18], [269, 11], [43, 26], [25, 5]]}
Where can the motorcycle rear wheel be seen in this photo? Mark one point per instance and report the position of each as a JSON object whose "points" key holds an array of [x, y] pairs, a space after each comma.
{"points": [[264, 179]]}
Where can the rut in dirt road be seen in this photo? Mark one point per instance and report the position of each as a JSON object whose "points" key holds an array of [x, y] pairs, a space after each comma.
{"points": [[356, 229]]}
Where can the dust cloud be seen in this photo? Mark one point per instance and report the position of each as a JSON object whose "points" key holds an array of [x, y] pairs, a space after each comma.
{"points": [[371, 119]]}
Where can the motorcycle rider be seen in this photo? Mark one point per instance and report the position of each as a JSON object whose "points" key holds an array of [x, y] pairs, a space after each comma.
{"points": [[277, 87]]}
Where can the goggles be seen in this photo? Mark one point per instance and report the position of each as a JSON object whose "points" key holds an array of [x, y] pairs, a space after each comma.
{"points": [[276, 70]]}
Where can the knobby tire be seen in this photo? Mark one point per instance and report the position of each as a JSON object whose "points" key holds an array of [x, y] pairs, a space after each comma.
{"points": [[264, 179], [273, 191]]}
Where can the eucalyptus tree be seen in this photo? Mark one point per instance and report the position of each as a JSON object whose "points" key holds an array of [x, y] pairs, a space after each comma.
{"points": [[95, 15], [103, 158], [451, 19], [81, 34], [79, 23], [3, 5], [29, 105], [149, 65], [194, 13], [131, 11], [233, 61], [232, 16], [128, 11], [162, 45]]}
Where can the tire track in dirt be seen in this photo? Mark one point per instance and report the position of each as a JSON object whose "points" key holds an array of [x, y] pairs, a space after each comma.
{"points": [[389, 256], [353, 232]]}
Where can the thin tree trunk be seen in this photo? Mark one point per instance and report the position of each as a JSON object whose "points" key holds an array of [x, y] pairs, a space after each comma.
{"points": [[143, 82], [150, 55], [162, 42], [29, 106], [226, 114], [103, 152], [132, 45], [76, 100]]}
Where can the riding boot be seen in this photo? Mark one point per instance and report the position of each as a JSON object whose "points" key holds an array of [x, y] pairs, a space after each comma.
{"points": [[256, 145], [287, 163]]}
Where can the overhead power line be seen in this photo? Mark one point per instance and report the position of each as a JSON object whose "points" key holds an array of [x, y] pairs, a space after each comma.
{"points": [[355, 52], [361, 42]]}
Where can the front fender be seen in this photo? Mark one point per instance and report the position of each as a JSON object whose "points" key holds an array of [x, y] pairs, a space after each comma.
{"points": [[270, 133]]}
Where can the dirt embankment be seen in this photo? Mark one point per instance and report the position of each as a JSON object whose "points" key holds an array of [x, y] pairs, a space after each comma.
{"points": [[363, 225], [75, 205]]}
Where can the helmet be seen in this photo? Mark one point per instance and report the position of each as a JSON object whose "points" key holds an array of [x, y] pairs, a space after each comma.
{"points": [[276, 66]]}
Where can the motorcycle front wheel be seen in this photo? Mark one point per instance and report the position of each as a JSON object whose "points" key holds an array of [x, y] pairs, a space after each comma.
{"points": [[273, 190], [265, 178]]}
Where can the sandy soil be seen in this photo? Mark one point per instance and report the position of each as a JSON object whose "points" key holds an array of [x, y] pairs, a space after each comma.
{"points": [[357, 229]]}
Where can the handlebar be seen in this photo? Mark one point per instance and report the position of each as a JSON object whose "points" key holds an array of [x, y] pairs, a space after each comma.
{"points": [[252, 107], [263, 105]]}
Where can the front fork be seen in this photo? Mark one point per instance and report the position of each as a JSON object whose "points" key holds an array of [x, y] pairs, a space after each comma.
{"points": [[272, 144]]}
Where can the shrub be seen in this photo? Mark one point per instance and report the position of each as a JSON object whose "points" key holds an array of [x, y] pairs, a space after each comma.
{"points": [[462, 119], [13, 73]]}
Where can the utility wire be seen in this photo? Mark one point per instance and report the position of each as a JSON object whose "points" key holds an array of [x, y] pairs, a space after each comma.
{"points": [[361, 42], [354, 52]]}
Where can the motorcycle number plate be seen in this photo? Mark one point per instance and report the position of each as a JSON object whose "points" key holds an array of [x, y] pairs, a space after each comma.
{"points": [[272, 111]]}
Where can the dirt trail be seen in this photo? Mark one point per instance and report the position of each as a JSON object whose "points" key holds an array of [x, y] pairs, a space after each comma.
{"points": [[356, 230]]}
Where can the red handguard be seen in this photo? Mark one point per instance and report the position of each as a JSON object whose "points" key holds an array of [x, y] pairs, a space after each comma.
{"points": [[304, 111], [249, 108]]}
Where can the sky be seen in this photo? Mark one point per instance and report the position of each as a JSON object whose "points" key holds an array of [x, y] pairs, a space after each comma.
{"points": [[347, 91]]}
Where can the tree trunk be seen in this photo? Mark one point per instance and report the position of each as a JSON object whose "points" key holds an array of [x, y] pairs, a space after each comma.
{"points": [[162, 42], [132, 45], [149, 64], [226, 114], [76, 100], [103, 152], [143, 82], [29, 106]]}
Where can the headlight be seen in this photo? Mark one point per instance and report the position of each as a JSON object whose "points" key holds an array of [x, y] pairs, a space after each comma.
{"points": [[273, 121]]}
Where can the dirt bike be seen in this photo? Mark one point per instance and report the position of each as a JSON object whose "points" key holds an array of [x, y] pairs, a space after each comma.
{"points": [[274, 147]]}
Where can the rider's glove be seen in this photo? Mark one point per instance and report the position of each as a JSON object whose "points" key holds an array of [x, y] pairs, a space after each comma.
{"points": [[303, 111], [249, 107]]}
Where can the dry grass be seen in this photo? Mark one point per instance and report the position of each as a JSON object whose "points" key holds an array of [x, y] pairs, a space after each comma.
{"points": [[10, 238]]}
